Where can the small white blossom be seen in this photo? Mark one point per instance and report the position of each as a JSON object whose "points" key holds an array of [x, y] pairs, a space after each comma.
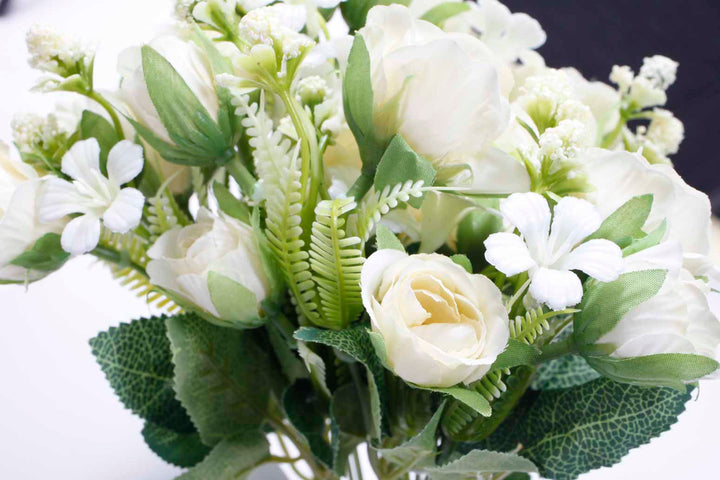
{"points": [[665, 131], [31, 130], [562, 143], [94, 195], [659, 70], [55, 53], [643, 93], [312, 89], [275, 26], [622, 76], [550, 253]]}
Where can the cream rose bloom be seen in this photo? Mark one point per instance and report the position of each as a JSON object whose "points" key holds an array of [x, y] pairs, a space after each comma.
{"points": [[183, 258], [441, 325], [413, 66]]}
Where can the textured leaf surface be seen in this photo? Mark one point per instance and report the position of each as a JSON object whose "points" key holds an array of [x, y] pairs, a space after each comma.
{"points": [[481, 461], [223, 377], [399, 164], [46, 254], [565, 372], [232, 459], [626, 222], [137, 361], [418, 448], [356, 343], [571, 431], [180, 449], [663, 370], [307, 412]]}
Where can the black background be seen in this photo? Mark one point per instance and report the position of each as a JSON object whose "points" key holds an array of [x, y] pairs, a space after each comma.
{"points": [[593, 35]]}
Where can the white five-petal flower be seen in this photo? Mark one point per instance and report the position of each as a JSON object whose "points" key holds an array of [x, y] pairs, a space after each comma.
{"points": [[94, 195], [550, 252]]}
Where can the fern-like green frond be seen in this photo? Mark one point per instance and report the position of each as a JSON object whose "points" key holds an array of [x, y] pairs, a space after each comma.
{"points": [[278, 170], [160, 215], [336, 261], [529, 326], [380, 203]]}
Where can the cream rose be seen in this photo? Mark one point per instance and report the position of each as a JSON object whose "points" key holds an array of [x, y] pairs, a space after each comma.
{"points": [[441, 325], [183, 260]]}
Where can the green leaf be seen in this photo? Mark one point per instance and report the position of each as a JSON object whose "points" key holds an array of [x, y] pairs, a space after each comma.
{"points": [[46, 254], [604, 304], [399, 164], [439, 13], [463, 261], [307, 413], [315, 367], [223, 377], [469, 397], [229, 204], [232, 459], [344, 408], [387, 239], [356, 343], [235, 303], [515, 354], [480, 461], [355, 12], [137, 361], [662, 370], [188, 123], [565, 372], [571, 431], [180, 449], [650, 240], [96, 126], [626, 221], [418, 448], [472, 231]]}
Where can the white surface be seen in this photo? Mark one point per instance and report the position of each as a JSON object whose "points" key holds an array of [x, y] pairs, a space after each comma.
{"points": [[58, 417]]}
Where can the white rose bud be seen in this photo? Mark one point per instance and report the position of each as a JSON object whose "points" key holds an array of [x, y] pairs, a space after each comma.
{"points": [[441, 325], [214, 264]]}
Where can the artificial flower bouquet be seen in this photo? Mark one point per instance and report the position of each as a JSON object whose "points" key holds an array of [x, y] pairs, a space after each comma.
{"points": [[414, 246]]}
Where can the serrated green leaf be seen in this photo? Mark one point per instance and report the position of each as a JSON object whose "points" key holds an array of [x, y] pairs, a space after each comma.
{"points": [[235, 303], [398, 164], [571, 431], [223, 377], [180, 449], [46, 254], [480, 461], [232, 459], [188, 123], [662, 370], [418, 448], [356, 343], [387, 239], [307, 412], [463, 261], [515, 354], [137, 361], [565, 372], [96, 126], [229, 204], [604, 304], [627, 221], [444, 11]]}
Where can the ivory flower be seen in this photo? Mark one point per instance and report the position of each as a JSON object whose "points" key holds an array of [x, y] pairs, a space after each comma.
{"points": [[412, 64], [99, 199], [550, 253], [441, 325], [182, 258]]}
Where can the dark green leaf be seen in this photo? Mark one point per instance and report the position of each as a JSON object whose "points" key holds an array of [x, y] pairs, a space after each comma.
{"points": [[571, 431], [472, 231], [565, 372], [471, 398], [137, 361], [223, 377], [480, 461], [232, 459], [627, 221], [95, 126], [516, 353], [307, 413], [444, 11], [399, 164], [180, 449], [46, 254], [344, 409], [387, 239], [418, 448], [229, 204]]}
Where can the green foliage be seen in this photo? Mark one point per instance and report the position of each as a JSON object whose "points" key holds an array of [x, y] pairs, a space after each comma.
{"points": [[516, 353], [444, 11], [526, 328], [137, 361], [355, 12], [375, 206], [387, 239], [564, 372], [478, 462], [232, 459], [229, 204], [95, 126], [356, 343], [467, 396], [161, 214], [180, 449], [198, 140], [223, 377], [307, 412], [46, 255], [626, 222], [421, 447], [472, 231], [236, 304], [570, 431], [463, 261], [400, 164], [336, 261]]}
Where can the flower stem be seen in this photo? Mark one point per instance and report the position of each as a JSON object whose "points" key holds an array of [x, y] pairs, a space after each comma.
{"points": [[110, 110], [242, 175], [558, 349]]}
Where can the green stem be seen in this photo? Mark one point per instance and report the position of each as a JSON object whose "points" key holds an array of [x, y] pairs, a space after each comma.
{"points": [[242, 175], [558, 349], [119, 258], [110, 110], [360, 187]]}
